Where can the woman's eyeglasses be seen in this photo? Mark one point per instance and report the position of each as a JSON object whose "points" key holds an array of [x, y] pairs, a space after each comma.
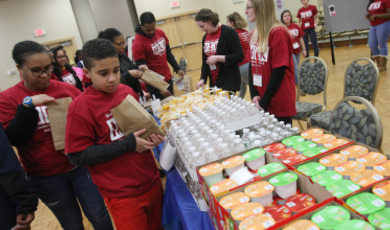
{"points": [[121, 44], [38, 73]]}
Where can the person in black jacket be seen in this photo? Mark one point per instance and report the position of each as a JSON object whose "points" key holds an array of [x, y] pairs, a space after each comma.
{"points": [[64, 71], [17, 201], [222, 52], [129, 72]]}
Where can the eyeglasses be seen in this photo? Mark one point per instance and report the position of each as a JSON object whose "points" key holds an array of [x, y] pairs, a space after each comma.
{"points": [[61, 57], [121, 44], [248, 7], [38, 73]]}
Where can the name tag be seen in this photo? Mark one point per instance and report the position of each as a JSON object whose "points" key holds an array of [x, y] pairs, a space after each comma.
{"points": [[258, 80], [296, 45], [307, 24], [213, 67]]}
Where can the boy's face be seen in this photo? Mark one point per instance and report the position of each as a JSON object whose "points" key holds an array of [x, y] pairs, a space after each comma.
{"points": [[105, 74], [305, 2]]}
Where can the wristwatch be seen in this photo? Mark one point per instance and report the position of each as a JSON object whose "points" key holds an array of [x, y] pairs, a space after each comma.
{"points": [[28, 101]]}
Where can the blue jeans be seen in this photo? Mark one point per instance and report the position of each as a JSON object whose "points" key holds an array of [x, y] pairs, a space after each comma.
{"points": [[378, 36], [59, 193], [244, 79], [296, 58], [313, 38]]}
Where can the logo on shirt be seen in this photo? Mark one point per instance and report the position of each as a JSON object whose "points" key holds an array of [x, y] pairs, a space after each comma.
{"points": [[115, 132], [375, 6], [294, 33], [69, 78], [159, 47], [306, 14], [210, 47], [43, 118], [257, 56], [244, 36]]}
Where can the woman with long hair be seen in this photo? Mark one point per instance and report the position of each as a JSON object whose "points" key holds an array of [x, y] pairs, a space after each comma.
{"points": [[130, 74], [64, 71], [378, 13], [296, 33], [238, 23], [221, 54], [271, 69]]}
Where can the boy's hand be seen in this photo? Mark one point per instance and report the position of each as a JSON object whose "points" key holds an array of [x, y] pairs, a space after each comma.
{"points": [[166, 93], [136, 73], [156, 139], [143, 67], [142, 145], [42, 99], [23, 221]]}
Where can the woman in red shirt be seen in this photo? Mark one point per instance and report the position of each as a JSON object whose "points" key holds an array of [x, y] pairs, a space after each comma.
{"points": [[64, 71], [271, 63], [221, 54], [379, 16], [238, 23], [296, 33], [308, 20]]}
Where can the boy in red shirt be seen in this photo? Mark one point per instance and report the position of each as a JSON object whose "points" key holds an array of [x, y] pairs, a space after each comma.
{"points": [[308, 20], [123, 167], [151, 48]]}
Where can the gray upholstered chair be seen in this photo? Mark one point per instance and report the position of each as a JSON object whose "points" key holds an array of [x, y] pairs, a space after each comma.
{"points": [[357, 119], [312, 80], [360, 80]]}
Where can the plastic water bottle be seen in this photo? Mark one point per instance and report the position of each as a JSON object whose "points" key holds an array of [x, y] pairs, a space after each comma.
{"points": [[251, 141], [211, 156], [295, 130], [225, 150], [238, 146], [245, 137]]}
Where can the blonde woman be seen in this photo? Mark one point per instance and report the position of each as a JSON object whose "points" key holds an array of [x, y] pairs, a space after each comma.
{"points": [[238, 23], [271, 80]]}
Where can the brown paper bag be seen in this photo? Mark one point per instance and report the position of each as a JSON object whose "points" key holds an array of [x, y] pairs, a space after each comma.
{"points": [[57, 116], [131, 117], [153, 80]]}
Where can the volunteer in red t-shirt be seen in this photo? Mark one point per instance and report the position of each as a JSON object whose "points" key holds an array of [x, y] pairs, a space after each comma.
{"points": [[271, 63], [24, 114], [221, 54], [238, 23], [308, 20], [123, 167], [151, 49], [379, 16], [64, 71], [296, 33]]}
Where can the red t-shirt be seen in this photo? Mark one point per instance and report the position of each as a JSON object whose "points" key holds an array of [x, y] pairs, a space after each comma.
{"points": [[210, 48], [38, 156], [279, 54], [296, 33], [68, 77], [153, 51], [379, 7], [90, 123], [307, 16], [244, 39]]}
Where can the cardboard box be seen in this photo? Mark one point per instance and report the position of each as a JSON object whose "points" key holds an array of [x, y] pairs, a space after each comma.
{"points": [[304, 185], [312, 210], [205, 189]]}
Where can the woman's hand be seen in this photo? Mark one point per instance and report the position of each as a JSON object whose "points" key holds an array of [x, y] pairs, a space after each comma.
{"points": [[372, 18], [143, 67], [166, 93], [304, 53], [368, 16], [136, 73], [156, 139], [41, 99], [200, 84], [212, 60], [256, 101], [181, 73]]}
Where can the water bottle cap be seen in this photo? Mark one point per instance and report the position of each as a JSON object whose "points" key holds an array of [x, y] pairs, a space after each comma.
{"points": [[210, 150], [274, 134], [188, 143], [192, 148], [215, 136], [296, 129], [257, 142], [219, 140], [201, 139], [206, 144], [246, 130], [197, 135], [237, 136], [237, 141], [232, 136], [227, 131], [252, 137], [209, 131], [196, 154]]}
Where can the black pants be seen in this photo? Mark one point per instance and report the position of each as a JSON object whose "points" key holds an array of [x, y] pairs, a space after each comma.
{"points": [[156, 92], [287, 120], [313, 38]]}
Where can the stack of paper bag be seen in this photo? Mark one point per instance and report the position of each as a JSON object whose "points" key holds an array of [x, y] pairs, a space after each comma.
{"points": [[152, 79]]}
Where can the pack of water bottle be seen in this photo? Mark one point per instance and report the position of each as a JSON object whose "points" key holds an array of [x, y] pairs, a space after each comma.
{"points": [[202, 137]]}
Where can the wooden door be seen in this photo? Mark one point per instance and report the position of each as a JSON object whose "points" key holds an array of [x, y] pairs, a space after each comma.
{"points": [[194, 58], [190, 31], [170, 29]]}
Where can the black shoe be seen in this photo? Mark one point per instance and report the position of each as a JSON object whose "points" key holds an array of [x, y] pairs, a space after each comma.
{"points": [[162, 173]]}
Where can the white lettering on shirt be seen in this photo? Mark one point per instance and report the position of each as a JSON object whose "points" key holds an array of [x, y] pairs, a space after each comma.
{"points": [[375, 6], [69, 78], [259, 57], [210, 47], [244, 37], [115, 132], [159, 47], [306, 14], [294, 33], [43, 118]]}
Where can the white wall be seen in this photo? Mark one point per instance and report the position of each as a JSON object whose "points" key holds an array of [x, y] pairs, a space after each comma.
{"points": [[295, 5], [19, 19], [85, 21]]}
